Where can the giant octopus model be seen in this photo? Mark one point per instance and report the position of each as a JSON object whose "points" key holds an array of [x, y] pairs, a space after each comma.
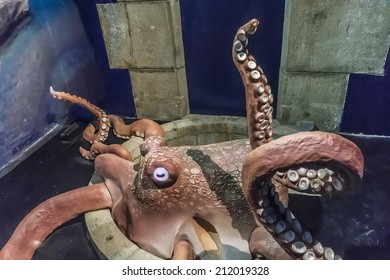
{"points": [[172, 202]]}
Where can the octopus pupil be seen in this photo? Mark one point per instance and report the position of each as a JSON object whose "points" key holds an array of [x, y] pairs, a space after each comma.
{"points": [[161, 174]]}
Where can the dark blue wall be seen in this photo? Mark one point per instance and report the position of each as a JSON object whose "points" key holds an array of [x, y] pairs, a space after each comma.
{"points": [[215, 86], [213, 82], [367, 107], [116, 82]]}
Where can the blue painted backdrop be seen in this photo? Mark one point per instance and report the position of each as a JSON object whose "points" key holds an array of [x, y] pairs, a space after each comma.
{"points": [[49, 48]]}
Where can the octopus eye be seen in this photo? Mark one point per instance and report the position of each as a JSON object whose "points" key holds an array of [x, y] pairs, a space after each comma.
{"points": [[161, 174]]}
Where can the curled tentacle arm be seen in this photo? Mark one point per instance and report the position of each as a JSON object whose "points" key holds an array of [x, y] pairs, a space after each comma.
{"points": [[100, 148], [90, 134], [143, 128], [46, 217], [294, 150], [259, 98], [98, 131]]}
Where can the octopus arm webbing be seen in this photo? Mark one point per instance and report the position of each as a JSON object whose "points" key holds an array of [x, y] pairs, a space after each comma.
{"points": [[46, 217], [259, 98], [259, 167]]}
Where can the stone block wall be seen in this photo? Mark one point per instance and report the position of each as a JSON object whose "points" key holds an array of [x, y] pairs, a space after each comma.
{"points": [[323, 42], [146, 38]]}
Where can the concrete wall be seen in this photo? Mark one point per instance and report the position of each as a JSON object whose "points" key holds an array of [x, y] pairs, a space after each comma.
{"points": [[323, 42], [146, 38]]}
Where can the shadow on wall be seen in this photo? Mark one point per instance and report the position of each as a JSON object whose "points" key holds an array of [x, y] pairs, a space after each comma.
{"points": [[43, 44]]}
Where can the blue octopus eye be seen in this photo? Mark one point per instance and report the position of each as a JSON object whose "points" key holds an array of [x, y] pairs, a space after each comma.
{"points": [[161, 174]]}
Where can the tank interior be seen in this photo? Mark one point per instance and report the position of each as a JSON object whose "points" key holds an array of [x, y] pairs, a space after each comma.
{"points": [[326, 61]]}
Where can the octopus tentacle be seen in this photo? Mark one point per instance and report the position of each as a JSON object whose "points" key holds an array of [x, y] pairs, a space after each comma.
{"points": [[100, 148], [182, 251], [298, 149], [263, 245], [98, 131], [46, 217], [90, 134], [259, 98], [143, 128], [286, 229]]}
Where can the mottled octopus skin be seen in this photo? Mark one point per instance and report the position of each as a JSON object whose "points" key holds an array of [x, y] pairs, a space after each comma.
{"points": [[206, 187], [205, 182], [231, 189]]}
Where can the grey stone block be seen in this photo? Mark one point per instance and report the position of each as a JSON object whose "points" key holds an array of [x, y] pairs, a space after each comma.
{"points": [[349, 36], [326, 116], [116, 33], [146, 37], [142, 34], [318, 97], [158, 94], [156, 36]]}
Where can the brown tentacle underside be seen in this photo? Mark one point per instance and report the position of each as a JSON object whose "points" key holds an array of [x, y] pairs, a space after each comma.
{"points": [[46, 217], [259, 98], [294, 150]]}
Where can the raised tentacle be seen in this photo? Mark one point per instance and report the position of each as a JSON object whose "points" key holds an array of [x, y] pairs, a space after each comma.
{"points": [[259, 98], [90, 133], [98, 132], [46, 217], [294, 150]]}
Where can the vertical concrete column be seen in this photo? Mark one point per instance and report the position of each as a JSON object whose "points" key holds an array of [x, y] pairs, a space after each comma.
{"points": [[323, 42], [145, 37]]}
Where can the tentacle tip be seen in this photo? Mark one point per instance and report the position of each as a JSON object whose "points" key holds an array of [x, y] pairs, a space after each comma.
{"points": [[89, 155], [52, 91], [253, 24]]}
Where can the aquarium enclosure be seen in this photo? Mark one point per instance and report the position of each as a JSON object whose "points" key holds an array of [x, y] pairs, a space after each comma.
{"points": [[237, 124]]}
